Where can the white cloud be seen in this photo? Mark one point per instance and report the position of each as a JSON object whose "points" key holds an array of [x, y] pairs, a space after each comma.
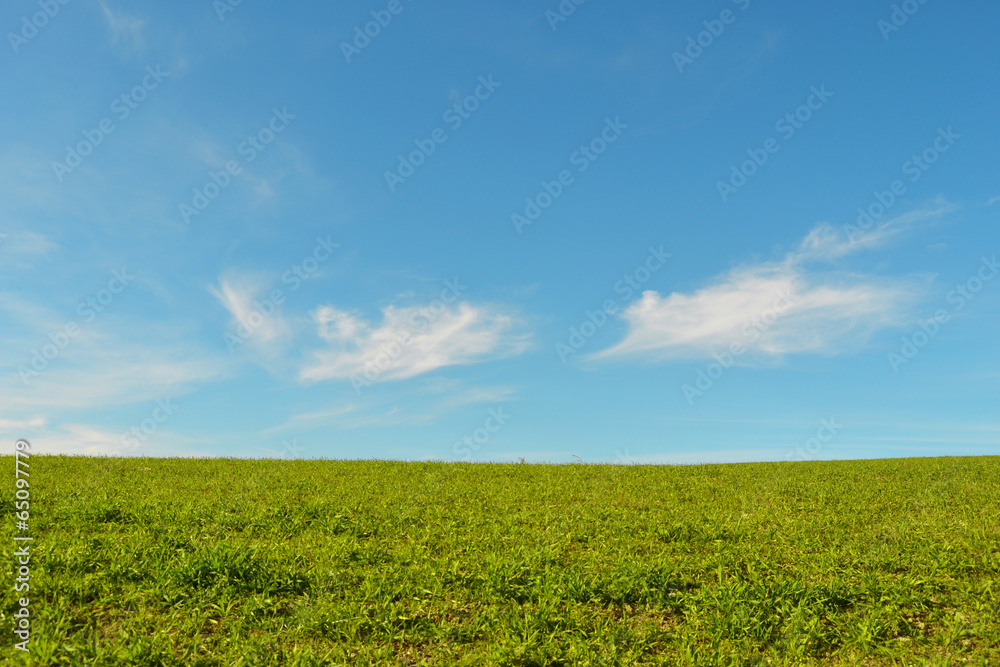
{"points": [[263, 178], [108, 362], [26, 183], [419, 405], [75, 440], [459, 394], [21, 249], [411, 340], [826, 242], [776, 308], [19, 243], [310, 420], [18, 424], [247, 298], [125, 30], [81, 439], [100, 372]]}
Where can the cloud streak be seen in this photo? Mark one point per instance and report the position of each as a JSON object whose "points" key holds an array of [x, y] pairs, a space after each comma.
{"points": [[125, 30], [256, 318], [15, 245], [777, 308]]}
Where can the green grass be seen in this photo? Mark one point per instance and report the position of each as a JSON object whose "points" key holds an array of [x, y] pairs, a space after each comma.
{"points": [[239, 563]]}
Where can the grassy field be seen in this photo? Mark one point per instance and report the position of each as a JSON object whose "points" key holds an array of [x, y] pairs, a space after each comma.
{"points": [[230, 562]]}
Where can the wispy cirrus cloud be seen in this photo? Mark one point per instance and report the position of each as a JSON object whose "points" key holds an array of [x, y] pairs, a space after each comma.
{"points": [[20, 248], [114, 372], [84, 439], [411, 340], [25, 243], [817, 311], [126, 30], [104, 362], [423, 404], [256, 319], [18, 424], [827, 243]]}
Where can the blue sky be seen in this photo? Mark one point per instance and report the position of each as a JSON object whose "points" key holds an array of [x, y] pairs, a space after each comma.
{"points": [[608, 232]]}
